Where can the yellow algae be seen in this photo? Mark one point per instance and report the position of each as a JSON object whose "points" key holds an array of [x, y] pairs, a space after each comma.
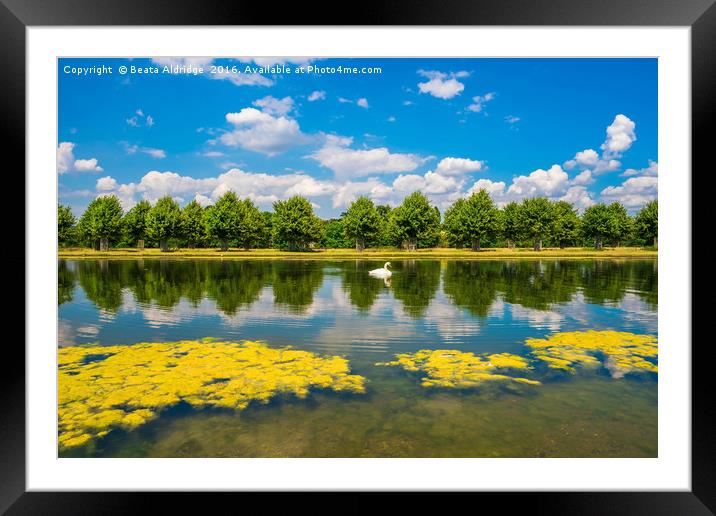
{"points": [[622, 352], [457, 369], [107, 387]]}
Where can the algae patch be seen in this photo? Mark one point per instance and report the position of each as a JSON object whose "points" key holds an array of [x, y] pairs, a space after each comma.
{"points": [[457, 369], [129, 385], [621, 352]]}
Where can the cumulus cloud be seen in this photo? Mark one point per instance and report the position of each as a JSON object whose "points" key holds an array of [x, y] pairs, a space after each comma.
{"points": [[511, 119], [66, 161], [620, 137], [317, 95], [442, 85], [634, 192], [105, 184], [345, 162], [262, 132], [579, 196], [151, 151], [547, 183], [430, 183], [458, 166], [478, 102], [362, 102], [583, 178], [651, 170]]}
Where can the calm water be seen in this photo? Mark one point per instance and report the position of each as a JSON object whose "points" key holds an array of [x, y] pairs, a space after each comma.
{"points": [[336, 308]]}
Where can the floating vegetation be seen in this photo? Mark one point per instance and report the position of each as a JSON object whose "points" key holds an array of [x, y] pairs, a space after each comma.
{"points": [[107, 387], [457, 369], [620, 352]]}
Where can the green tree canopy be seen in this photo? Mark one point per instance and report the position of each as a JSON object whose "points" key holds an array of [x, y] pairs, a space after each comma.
{"points": [[294, 224], [510, 223], [472, 219], [192, 223], [596, 224], [164, 221], [102, 220], [65, 225], [646, 223], [536, 216], [135, 222], [223, 219], [620, 224], [414, 219], [566, 225], [361, 222], [251, 225]]}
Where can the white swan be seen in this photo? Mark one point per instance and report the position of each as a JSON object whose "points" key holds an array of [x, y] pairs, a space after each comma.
{"points": [[381, 273]]}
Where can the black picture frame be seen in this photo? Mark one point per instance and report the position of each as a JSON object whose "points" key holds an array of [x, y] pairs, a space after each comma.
{"points": [[700, 15]]}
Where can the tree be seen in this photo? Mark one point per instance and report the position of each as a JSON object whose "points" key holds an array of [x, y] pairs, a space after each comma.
{"points": [[646, 223], [620, 225], [192, 223], [361, 222], [102, 220], [535, 219], [334, 236], [223, 219], [164, 221], [414, 219], [565, 228], [65, 225], [135, 222], [510, 223], [294, 224], [472, 219], [596, 224], [251, 226]]}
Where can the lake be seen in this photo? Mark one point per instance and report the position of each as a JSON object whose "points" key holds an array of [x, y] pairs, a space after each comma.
{"points": [[334, 308]]}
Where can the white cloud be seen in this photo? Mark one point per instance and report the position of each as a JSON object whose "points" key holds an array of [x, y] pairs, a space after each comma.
{"points": [[620, 137], [511, 119], [66, 161], [651, 170], [478, 102], [155, 153], [586, 158], [362, 102], [349, 191], [496, 189], [634, 192], [261, 132], [391, 119], [441, 85], [578, 196], [274, 106], [458, 166], [105, 184], [317, 95], [547, 183], [583, 178], [346, 162], [430, 183]]}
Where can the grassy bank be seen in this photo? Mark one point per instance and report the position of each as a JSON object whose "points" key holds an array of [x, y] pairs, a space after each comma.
{"points": [[368, 254]]}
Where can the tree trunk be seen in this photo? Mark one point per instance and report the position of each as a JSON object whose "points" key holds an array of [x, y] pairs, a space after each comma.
{"points": [[164, 245], [140, 244], [360, 244], [510, 244], [191, 245], [538, 244], [247, 247], [598, 243], [656, 243], [224, 245], [412, 244], [475, 244], [104, 244], [561, 245]]}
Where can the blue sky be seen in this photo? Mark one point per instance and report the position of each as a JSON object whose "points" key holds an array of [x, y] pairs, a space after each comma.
{"points": [[584, 130]]}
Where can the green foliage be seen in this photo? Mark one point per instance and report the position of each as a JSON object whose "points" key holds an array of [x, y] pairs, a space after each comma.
{"points": [[471, 220], [65, 225], [510, 223], [596, 224], [135, 221], [192, 223], [535, 219], [646, 223], [334, 235], [620, 224], [223, 219], [163, 221], [415, 219], [251, 226], [566, 226], [101, 220], [294, 224], [361, 222]]}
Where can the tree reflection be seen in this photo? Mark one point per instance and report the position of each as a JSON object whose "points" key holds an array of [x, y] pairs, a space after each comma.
{"points": [[65, 283], [102, 282], [362, 289], [295, 282], [235, 284], [539, 284], [415, 284], [473, 285]]}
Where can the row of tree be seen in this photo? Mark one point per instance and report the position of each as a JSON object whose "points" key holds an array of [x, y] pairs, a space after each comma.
{"points": [[472, 222]]}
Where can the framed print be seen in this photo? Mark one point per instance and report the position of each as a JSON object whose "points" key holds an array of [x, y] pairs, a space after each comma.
{"points": [[417, 253]]}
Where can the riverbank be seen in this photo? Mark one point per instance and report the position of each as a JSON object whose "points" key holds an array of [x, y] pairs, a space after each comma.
{"points": [[368, 254]]}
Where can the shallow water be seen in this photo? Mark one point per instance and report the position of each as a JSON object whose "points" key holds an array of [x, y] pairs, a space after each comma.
{"points": [[336, 308]]}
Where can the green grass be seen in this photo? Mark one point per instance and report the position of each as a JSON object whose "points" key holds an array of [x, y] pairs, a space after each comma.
{"points": [[370, 253]]}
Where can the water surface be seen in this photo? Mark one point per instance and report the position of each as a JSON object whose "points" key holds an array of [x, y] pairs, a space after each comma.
{"points": [[336, 308]]}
